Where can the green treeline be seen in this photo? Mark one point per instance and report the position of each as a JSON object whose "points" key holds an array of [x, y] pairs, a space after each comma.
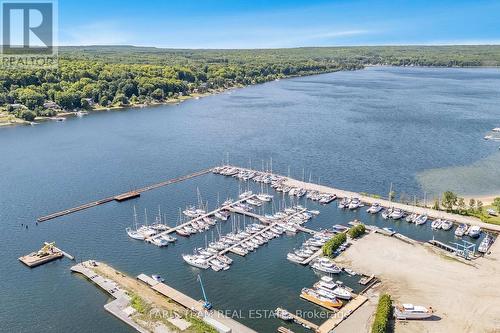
{"points": [[93, 77], [333, 244], [357, 231], [383, 314]]}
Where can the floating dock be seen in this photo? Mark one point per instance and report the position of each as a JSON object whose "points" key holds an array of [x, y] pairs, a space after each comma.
{"points": [[47, 253], [301, 321], [366, 279], [121, 197], [34, 259]]}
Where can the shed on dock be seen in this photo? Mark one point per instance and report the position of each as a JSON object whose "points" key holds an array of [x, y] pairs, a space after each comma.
{"points": [[46, 254], [127, 196]]}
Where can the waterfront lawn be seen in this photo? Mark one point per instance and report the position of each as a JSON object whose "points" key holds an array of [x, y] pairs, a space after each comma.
{"points": [[485, 217]]}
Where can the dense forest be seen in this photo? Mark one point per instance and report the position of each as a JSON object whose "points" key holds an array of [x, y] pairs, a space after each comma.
{"points": [[106, 76]]}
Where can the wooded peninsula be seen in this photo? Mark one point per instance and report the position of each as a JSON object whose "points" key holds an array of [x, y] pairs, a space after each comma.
{"points": [[94, 77]]}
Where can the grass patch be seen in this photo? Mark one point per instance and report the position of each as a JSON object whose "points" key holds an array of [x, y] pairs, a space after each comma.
{"points": [[200, 326], [140, 305]]}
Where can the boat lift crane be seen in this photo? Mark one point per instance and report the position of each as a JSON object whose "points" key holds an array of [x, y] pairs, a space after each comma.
{"points": [[207, 305]]}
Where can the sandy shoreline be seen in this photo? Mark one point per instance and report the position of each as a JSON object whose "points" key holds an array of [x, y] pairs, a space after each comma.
{"points": [[465, 296], [486, 199]]}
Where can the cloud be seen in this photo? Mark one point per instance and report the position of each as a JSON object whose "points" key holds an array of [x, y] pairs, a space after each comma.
{"points": [[96, 33], [337, 34]]}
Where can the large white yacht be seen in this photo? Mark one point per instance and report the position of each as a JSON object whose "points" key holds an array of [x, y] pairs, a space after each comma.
{"points": [[410, 311], [326, 266], [196, 261], [374, 209]]}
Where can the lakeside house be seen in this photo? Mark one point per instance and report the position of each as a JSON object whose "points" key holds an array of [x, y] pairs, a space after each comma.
{"points": [[51, 105]]}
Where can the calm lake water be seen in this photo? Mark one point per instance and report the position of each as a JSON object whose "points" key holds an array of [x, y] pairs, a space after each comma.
{"points": [[421, 129]]}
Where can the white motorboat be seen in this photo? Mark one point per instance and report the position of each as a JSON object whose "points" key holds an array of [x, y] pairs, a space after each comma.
{"points": [[461, 230], [386, 213], [196, 261], [159, 241], [485, 244], [446, 225], [190, 212], [264, 197], [389, 230], [289, 228], [436, 224], [344, 203], [354, 204], [335, 292], [375, 208], [283, 314], [474, 231], [326, 266], [168, 238], [224, 216], [157, 278], [135, 234], [410, 311], [245, 194], [254, 202], [411, 218], [397, 214], [227, 202], [294, 258], [421, 219], [326, 282]]}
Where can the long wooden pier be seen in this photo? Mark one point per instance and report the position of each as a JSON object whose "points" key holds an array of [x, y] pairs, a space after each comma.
{"points": [[342, 314], [122, 196]]}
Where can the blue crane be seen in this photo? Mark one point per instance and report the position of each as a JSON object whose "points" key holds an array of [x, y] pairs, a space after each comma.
{"points": [[207, 305]]}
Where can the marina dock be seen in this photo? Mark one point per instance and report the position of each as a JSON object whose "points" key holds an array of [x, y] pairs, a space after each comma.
{"points": [[342, 314], [121, 197], [231, 248], [302, 321], [151, 289], [368, 200], [47, 253], [121, 300], [249, 214], [201, 217]]}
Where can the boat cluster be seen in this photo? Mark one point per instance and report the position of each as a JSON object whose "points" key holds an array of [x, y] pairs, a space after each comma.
{"points": [[350, 203], [153, 233], [276, 182], [201, 221], [245, 174], [420, 219], [310, 247], [242, 242]]}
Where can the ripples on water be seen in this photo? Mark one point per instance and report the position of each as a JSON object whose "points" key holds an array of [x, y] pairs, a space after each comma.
{"points": [[420, 129]]}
